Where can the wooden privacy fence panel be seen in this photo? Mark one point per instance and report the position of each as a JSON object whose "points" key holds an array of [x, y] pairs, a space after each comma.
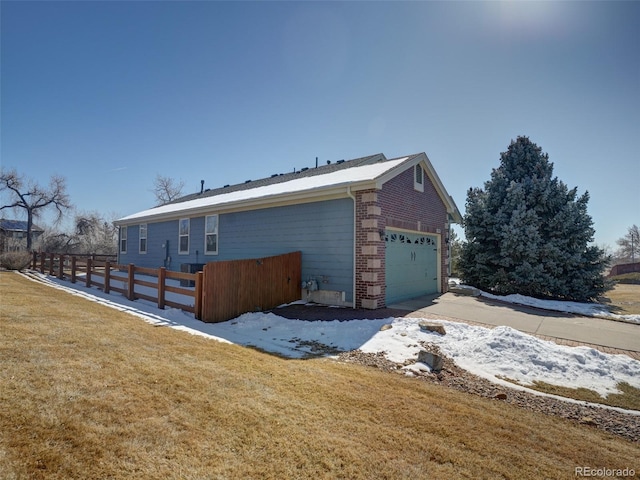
{"points": [[234, 287]]}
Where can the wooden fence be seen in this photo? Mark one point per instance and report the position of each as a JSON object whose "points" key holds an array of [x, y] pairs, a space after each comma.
{"points": [[108, 276], [234, 287], [623, 268], [222, 291]]}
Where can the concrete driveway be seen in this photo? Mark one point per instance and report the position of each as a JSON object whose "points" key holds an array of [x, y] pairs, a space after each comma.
{"points": [[607, 335]]}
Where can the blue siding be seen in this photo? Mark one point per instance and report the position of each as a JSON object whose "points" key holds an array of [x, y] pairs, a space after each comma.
{"points": [[322, 231]]}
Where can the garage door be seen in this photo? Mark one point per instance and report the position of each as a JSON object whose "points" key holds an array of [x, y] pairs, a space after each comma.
{"points": [[411, 265]]}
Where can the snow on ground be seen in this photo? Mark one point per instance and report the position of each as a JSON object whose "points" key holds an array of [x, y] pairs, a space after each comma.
{"points": [[490, 353], [586, 309], [506, 352]]}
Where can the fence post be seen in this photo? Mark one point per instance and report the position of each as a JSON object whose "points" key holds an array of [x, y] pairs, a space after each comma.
{"points": [[61, 267], [107, 277], [73, 269], [34, 262], [162, 275], [42, 259], [198, 295], [89, 266], [52, 257], [130, 285]]}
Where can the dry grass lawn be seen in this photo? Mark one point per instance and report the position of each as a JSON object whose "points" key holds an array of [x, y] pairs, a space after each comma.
{"points": [[91, 392], [624, 299]]}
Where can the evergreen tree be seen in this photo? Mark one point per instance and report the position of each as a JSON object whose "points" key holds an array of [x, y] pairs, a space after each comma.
{"points": [[528, 233]]}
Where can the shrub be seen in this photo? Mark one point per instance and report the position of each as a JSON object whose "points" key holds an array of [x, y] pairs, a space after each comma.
{"points": [[15, 260]]}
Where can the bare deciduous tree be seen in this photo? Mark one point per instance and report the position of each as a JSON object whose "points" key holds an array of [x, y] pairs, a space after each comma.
{"points": [[629, 245], [95, 234], [33, 198], [166, 189]]}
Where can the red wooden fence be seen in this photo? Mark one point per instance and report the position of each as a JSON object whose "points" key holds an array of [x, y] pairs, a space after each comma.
{"points": [[222, 291]]}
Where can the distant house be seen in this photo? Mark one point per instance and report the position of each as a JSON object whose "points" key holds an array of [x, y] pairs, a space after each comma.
{"points": [[13, 235], [372, 231]]}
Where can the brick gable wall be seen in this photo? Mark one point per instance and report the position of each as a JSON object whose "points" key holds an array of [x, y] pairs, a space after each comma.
{"points": [[396, 205]]}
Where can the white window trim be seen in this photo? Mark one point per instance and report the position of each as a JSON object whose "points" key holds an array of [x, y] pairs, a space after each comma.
{"points": [[216, 233], [140, 238], [419, 186], [188, 235], [123, 236]]}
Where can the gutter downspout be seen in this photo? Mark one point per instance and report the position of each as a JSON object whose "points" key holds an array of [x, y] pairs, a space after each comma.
{"points": [[350, 194]]}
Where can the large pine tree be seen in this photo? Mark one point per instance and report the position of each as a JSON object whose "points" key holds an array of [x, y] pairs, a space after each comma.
{"points": [[528, 233]]}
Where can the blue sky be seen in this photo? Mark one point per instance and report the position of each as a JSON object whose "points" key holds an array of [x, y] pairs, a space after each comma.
{"points": [[109, 94]]}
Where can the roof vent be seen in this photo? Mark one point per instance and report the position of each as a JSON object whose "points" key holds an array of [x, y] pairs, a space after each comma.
{"points": [[328, 162], [247, 181], [304, 169], [340, 161], [274, 175], [226, 186]]}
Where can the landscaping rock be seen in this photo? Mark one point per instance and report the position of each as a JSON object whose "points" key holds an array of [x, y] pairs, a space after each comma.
{"points": [[500, 396], [588, 421], [432, 327], [434, 361], [386, 326]]}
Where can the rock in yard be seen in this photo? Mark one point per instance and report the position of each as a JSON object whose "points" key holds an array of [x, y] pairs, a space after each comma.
{"points": [[435, 362], [588, 421], [432, 327], [384, 327], [500, 396]]}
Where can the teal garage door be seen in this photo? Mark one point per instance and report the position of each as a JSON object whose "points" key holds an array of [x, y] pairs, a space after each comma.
{"points": [[411, 265]]}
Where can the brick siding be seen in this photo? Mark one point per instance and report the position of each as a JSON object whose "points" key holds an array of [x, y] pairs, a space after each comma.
{"points": [[396, 205]]}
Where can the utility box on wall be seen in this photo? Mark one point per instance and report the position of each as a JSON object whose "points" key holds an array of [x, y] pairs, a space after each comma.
{"points": [[190, 268]]}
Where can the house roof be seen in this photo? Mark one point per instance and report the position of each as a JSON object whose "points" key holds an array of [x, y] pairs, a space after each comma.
{"points": [[286, 177], [17, 226], [328, 181]]}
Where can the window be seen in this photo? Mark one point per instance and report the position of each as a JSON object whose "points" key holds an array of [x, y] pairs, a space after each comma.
{"points": [[211, 235], [183, 236], [418, 179], [143, 238], [123, 239]]}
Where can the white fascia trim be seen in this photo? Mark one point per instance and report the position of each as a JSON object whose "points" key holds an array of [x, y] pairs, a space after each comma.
{"points": [[277, 200]]}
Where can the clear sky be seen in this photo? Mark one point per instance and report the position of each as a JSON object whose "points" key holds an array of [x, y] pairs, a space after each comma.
{"points": [[110, 94]]}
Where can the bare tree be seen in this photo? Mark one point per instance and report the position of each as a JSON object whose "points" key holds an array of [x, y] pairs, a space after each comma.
{"points": [[54, 240], [629, 245], [95, 233], [166, 189], [33, 198]]}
